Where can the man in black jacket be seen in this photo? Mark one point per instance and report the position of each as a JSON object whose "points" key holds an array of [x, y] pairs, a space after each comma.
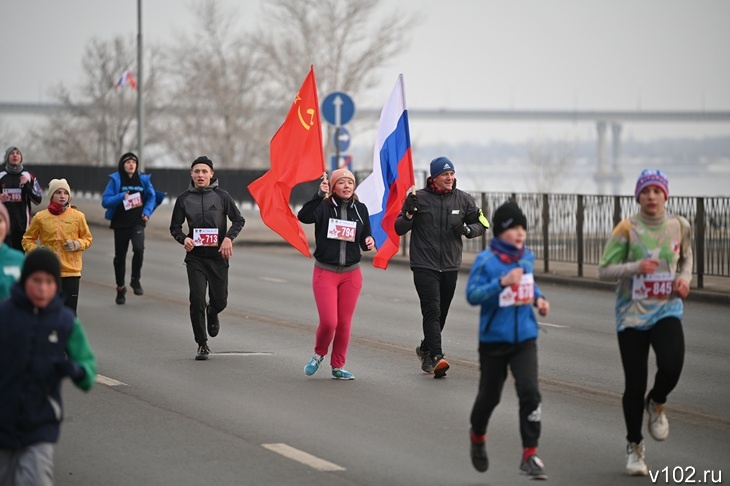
{"points": [[438, 216], [209, 246], [18, 188]]}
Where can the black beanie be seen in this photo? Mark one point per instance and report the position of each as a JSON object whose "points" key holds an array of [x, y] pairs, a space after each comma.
{"points": [[41, 259], [202, 160], [126, 157], [507, 216]]}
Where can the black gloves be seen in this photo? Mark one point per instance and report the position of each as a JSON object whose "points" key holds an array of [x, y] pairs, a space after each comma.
{"points": [[460, 229], [68, 368], [411, 203]]}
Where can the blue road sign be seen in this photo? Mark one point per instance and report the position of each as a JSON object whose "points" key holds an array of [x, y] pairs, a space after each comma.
{"points": [[345, 161], [341, 139], [338, 108]]}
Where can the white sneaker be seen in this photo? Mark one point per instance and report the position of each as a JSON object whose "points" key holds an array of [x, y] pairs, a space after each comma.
{"points": [[635, 460], [658, 423]]}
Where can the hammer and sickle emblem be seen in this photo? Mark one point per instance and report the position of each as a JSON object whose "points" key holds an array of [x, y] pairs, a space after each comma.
{"points": [[310, 112]]}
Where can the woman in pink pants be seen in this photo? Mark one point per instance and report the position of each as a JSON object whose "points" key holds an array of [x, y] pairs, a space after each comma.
{"points": [[342, 229]]}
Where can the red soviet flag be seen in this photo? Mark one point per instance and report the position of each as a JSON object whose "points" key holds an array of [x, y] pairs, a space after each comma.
{"points": [[297, 156]]}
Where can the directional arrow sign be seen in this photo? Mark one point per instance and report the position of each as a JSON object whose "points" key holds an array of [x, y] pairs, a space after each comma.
{"points": [[338, 108], [342, 140]]}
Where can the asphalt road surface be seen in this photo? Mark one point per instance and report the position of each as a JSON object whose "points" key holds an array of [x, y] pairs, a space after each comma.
{"points": [[250, 416]]}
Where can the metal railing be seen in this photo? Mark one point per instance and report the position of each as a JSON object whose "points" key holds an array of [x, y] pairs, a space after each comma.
{"points": [[574, 228]]}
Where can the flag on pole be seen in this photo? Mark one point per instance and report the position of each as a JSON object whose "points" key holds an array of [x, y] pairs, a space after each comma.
{"points": [[296, 154], [126, 78], [385, 189]]}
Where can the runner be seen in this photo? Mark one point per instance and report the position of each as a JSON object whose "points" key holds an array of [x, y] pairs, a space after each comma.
{"points": [[650, 254]]}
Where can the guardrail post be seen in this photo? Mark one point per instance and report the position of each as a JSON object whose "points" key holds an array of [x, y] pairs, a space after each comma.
{"points": [[545, 233], [700, 241], [485, 210], [579, 216], [616, 211]]}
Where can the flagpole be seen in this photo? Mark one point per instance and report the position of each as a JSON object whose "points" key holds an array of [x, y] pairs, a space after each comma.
{"points": [[140, 77]]}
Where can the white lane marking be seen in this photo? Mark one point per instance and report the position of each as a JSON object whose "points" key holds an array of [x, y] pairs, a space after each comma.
{"points": [[303, 457], [557, 326], [105, 380], [272, 279]]}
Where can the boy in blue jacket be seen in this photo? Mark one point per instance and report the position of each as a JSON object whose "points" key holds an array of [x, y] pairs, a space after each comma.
{"points": [[502, 282], [43, 342]]}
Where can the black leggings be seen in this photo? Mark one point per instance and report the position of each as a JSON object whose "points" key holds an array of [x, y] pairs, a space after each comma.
{"points": [[667, 339], [522, 361], [70, 289]]}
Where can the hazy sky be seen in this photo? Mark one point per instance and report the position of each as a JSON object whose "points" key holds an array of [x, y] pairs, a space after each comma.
{"points": [[489, 54]]}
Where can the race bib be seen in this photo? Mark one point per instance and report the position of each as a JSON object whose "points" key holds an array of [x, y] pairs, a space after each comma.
{"points": [[13, 194], [132, 201], [205, 236], [521, 294], [339, 229], [652, 286]]}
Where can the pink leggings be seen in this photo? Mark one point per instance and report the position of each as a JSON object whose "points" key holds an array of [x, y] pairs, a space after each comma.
{"points": [[336, 297]]}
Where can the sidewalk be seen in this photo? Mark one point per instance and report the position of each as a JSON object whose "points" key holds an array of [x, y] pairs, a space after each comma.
{"points": [[716, 289]]}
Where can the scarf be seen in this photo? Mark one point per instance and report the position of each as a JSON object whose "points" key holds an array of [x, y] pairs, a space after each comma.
{"points": [[14, 169], [56, 208], [506, 252]]}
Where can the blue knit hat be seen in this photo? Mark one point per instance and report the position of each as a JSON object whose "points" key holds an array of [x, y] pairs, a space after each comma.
{"points": [[439, 165]]}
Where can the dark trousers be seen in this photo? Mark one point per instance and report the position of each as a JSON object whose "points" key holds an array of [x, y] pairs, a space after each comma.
{"points": [[70, 289], [15, 239], [210, 274], [667, 339], [122, 237], [522, 361], [435, 291]]}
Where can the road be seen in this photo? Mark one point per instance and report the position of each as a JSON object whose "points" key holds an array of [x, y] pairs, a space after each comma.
{"points": [[158, 417]]}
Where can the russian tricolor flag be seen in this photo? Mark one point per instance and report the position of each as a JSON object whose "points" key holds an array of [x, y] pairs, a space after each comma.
{"points": [[126, 78], [385, 189]]}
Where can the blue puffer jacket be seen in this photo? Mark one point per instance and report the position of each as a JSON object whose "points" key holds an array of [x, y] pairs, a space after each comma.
{"points": [[36, 344], [113, 196], [513, 324]]}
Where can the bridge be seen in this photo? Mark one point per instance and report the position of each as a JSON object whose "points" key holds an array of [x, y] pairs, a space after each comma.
{"points": [[602, 118]]}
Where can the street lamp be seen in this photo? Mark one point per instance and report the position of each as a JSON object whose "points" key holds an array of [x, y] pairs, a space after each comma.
{"points": [[140, 83]]}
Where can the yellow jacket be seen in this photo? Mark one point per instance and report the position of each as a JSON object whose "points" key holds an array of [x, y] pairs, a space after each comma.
{"points": [[52, 232]]}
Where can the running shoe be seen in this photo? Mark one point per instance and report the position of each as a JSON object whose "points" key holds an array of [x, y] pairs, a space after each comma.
{"points": [[658, 423], [342, 374], [635, 459], [479, 458], [313, 364], [440, 366], [533, 467], [203, 352]]}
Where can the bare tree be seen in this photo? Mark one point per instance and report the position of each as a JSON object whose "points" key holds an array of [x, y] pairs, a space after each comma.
{"points": [[347, 44], [99, 122], [548, 162], [216, 87]]}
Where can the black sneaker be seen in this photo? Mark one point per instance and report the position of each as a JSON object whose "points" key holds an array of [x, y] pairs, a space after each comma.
{"points": [[203, 352], [121, 299], [214, 325], [440, 365], [479, 458], [426, 361], [533, 467], [136, 286]]}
